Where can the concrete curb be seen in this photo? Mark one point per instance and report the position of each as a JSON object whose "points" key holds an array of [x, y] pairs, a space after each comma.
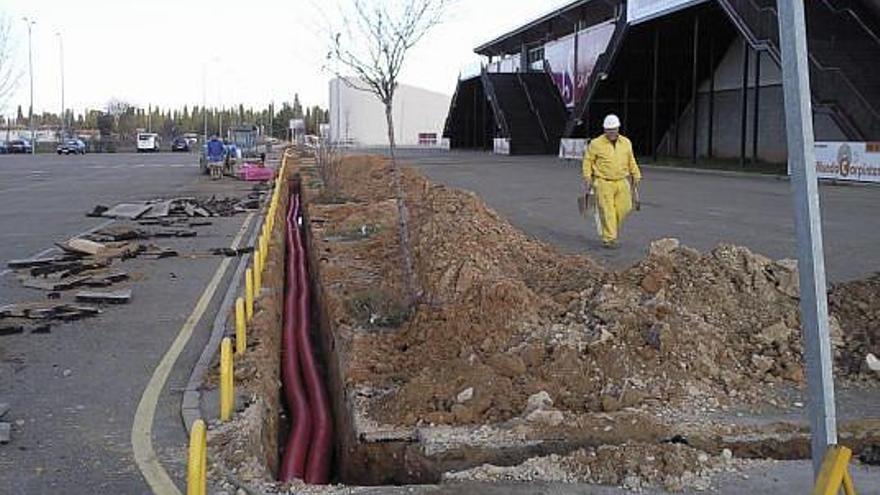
{"points": [[190, 407]]}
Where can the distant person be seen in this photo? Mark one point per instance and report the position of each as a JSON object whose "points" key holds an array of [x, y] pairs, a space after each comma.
{"points": [[216, 156], [611, 171]]}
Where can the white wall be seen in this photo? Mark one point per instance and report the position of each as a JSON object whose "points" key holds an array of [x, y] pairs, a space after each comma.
{"points": [[359, 117]]}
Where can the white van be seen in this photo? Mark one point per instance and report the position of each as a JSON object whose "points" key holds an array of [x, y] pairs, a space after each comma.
{"points": [[147, 141]]}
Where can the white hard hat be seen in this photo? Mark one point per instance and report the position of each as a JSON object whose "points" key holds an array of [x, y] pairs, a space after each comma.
{"points": [[611, 122]]}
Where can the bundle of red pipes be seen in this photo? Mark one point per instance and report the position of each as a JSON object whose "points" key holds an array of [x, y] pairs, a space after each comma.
{"points": [[309, 444]]}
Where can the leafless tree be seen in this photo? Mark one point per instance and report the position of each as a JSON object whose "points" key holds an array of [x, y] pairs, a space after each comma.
{"points": [[368, 49], [117, 108], [9, 73]]}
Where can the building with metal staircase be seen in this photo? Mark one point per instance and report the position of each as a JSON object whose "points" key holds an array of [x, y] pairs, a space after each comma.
{"points": [[691, 79]]}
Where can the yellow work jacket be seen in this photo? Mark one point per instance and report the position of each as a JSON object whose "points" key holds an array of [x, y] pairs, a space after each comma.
{"points": [[610, 161]]}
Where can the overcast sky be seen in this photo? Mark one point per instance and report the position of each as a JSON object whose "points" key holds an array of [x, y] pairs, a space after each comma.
{"points": [[252, 51]]}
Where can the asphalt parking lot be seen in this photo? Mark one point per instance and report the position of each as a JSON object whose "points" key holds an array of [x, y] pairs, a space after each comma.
{"points": [[702, 209], [73, 392]]}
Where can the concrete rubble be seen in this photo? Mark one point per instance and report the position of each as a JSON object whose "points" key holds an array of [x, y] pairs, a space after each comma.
{"points": [[121, 296], [5, 432], [158, 209]]}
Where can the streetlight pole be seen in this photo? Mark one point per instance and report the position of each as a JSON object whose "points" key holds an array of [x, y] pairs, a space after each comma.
{"points": [[205, 101], [63, 111], [30, 23]]}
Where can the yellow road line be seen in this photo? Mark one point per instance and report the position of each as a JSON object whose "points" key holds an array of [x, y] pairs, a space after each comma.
{"points": [[142, 429]]}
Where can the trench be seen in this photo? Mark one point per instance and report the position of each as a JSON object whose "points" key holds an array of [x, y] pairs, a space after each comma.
{"points": [[368, 454]]}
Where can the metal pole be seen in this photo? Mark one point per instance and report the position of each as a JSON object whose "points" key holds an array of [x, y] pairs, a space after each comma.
{"points": [[654, 93], [711, 130], [808, 226], [755, 113], [744, 96], [205, 102], [694, 94], [63, 111], [30, 24], [677, 124]]}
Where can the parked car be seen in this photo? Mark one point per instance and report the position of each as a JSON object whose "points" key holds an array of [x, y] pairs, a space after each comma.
{"points": [[4, 148], [72, 146], [147, 141], [180, 144], [20, 146]]}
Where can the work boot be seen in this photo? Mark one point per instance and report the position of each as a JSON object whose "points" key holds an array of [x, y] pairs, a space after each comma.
{"points": [[610, 244]]}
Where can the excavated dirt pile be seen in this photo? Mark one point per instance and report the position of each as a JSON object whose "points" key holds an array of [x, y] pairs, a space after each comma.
{"points": [[503, 317], [856, 306]]}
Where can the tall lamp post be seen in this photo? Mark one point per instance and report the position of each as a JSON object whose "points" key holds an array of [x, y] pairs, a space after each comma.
{"points": [[63, 110], [30, 23]]}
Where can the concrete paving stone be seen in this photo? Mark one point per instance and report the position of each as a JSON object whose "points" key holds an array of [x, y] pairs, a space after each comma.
{"points": [[121, 296], [130, 211]]}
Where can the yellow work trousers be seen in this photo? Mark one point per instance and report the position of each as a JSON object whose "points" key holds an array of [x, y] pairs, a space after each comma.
{"points": [[615, 202]]}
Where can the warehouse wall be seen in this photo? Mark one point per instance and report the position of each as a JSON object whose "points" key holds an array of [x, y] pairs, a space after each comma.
{"points": [[359, 117]]}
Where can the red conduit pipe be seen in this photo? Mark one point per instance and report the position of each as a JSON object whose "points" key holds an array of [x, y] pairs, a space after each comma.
{"points": [[318, 464], [293, 463]]}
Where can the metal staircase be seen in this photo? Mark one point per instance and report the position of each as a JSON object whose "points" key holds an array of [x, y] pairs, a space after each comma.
{"points": [[844, 49]]}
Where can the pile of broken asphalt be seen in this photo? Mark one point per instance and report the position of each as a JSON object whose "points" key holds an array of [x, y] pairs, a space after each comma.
{"points": [[89, 266]]}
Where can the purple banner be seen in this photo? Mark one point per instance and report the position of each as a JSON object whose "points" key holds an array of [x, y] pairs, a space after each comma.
{"points": [[570, 75]]}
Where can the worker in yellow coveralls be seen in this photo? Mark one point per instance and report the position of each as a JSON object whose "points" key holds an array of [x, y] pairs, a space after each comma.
{"points": [[610, 170]]}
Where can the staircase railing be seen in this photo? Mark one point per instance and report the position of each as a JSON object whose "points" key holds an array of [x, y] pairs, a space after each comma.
{"points": [[533, 108], [453, 105], [489, 88], [759, 25], [855, 16]]}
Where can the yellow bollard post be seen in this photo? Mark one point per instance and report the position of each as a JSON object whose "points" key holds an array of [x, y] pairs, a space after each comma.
{"points": [[264, 250], [240, 327], [258, 272], [196, 469], [227, 395], [249, 294]]}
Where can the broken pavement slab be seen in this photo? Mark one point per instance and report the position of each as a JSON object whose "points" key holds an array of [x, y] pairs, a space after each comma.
{"points": [[175, 233], [5, 432], [156, 252], [53, 285], [11, 330], [129, 211], [38, 262], [46, 311], [122, 296], [118, 233], [82, 246], [159, 209]]}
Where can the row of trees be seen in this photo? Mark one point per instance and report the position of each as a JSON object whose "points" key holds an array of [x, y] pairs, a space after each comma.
{"points": [[123, 119]]}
